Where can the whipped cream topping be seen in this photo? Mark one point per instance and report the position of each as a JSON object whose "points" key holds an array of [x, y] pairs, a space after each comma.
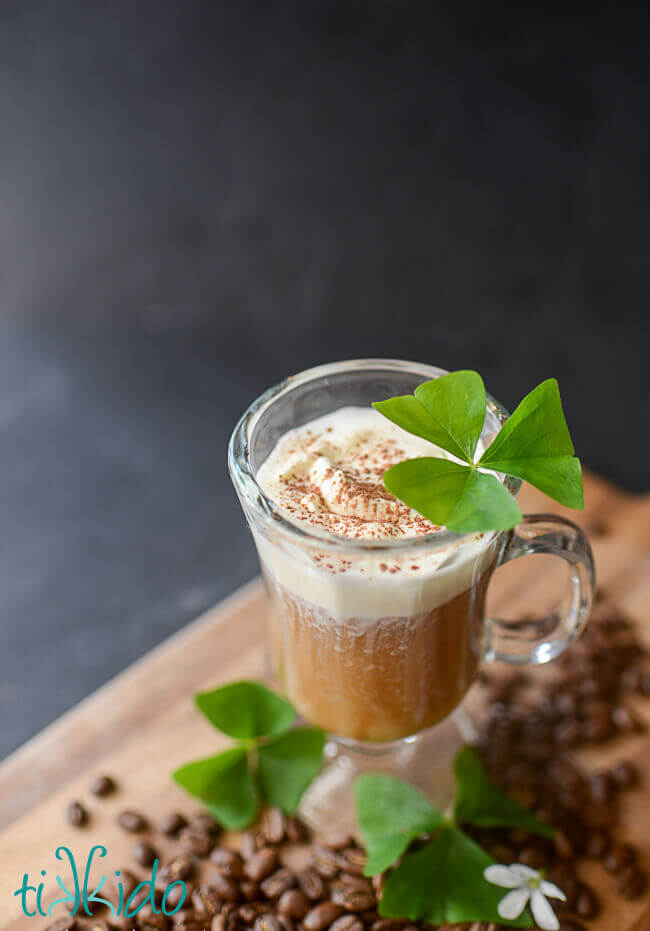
{"points": [[328, 474]]}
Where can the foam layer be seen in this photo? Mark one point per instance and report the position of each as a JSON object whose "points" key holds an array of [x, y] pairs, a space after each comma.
{"points": [[327, 474]]}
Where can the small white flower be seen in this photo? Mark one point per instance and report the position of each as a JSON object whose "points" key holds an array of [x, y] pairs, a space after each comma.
{"points": [[526, 885]]}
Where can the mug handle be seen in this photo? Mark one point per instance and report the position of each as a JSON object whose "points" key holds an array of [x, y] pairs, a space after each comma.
{"points": [[539, 640]]}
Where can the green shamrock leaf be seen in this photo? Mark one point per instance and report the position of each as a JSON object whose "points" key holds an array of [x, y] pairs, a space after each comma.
{"points": [[448, 411], [224, 784], [287, 764], [452, 495], [443, 883], [391, 814], [482, 803], [246, 710], [534, 444]]}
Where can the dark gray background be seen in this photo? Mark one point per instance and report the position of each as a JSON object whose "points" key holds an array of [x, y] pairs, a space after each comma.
{"points": [[199, 198]]}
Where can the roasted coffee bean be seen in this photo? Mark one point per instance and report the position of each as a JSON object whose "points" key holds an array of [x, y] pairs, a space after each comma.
{"points": [[619, 857], [293, 904], [596, 728], [267, 922], [273, 825], [132, 821], [532, 856], [128, 879], [228, 862], [189, 920], [76, 814], [322, 916], [143, 853], [120, 923], [586, 903], [352, 860], [198, 843], [502, 853], [378, 883], [602, 787], [249, 890], [570, 924], [311, 884], [261, 864], [563, 848], [626, 721], [172, 823], [567, 733], [152, 922], [219, 923], [278, 882], [625, 774], [324, 861], [202, 821], [598, 844], [598, 815], [296, 830], [206, 900], [631, 883], [347, 923], [63, 924], [102, 785], [359, 882], [336, 840], [178, 868], [175, 893], [251, 842], [353, 898], [249, 912], [225, 887], [387, 924], [137, 899]]}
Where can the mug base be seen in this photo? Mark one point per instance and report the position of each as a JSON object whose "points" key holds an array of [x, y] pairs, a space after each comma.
{"points": [[425, 760]]}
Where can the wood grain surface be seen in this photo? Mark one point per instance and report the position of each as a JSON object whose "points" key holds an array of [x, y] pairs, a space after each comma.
{"points": [[143, 724]]}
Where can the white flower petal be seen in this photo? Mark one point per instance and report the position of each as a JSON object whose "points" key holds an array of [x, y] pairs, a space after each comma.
{"points": [[523, 873], [512, 905], [543, 914], [501, 876], [551, 890]]}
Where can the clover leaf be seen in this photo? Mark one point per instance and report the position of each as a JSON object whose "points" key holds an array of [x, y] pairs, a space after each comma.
{"points": [[466, 497], [246, 710], [443, 883], [224, 783], [479, 801], [534, 444], [391, 814], [271, 763], [287, 765], [448, 411]]}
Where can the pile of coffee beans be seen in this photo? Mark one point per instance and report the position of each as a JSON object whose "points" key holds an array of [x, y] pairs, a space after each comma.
{"points": [[528, 740]]}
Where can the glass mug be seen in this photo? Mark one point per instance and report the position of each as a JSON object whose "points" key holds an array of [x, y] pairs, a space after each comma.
{"points": [[388, 648]]}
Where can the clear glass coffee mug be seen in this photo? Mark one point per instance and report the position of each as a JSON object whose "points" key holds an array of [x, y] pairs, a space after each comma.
{"points": [[378, 641]]}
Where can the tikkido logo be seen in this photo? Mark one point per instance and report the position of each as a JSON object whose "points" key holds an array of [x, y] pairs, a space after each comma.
{"points": [[78, 899]]}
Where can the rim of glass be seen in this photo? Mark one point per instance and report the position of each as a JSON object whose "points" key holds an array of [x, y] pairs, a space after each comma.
{"points": [[246, 484]]}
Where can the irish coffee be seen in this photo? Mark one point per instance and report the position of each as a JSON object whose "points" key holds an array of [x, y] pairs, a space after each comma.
{"points": [[376, 644]]}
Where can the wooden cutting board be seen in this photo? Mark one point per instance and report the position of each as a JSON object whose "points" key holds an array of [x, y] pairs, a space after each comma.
{"points": [[142, 724]]}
